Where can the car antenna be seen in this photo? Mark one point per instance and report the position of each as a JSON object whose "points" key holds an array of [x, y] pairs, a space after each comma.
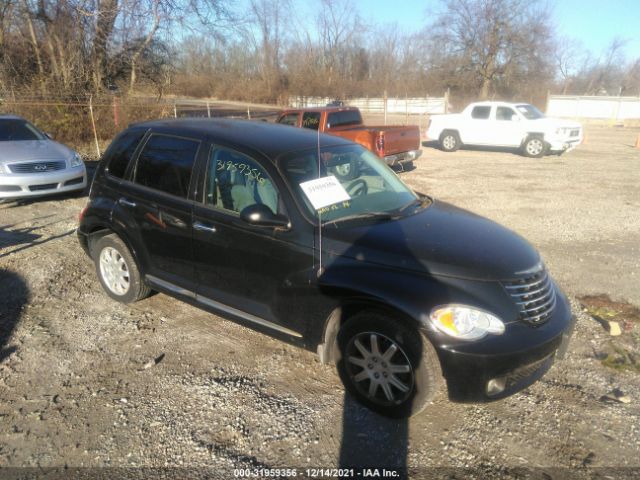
{"points": [[320, 268]]}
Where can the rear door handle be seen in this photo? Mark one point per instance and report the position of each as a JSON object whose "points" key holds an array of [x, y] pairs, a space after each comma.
{"points": [[127, 203], [204, 228]]}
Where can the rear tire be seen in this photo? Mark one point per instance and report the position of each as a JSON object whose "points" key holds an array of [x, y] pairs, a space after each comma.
{"points": [[450, 141], [117, 270], [388, 366]]}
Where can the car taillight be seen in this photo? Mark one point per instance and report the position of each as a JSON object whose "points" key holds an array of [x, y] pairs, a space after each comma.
{"points": [[82, 212], [380, 144]]}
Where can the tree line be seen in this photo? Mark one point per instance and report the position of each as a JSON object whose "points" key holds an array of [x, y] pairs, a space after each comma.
{"points": [[271, 49]]}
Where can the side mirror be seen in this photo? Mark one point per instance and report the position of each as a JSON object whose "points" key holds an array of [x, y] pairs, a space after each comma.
{"points": [[515, 118], [260, 215], [48, 135]]}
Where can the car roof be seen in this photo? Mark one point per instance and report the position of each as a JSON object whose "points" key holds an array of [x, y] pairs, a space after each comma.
{"points": [[499, 103], [271, 139], [318, 109], [10, 117]]}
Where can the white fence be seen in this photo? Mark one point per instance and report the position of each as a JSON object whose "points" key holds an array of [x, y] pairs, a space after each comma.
{"points": [[409, 106], [610, 108]]}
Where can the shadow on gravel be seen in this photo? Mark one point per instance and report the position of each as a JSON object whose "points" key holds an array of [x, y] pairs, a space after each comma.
{"points": [[15, 294], [477, 148], [24, 237], [371, 441]]}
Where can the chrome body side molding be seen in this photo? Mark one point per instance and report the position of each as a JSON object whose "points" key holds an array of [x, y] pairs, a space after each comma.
{"points": [[220, 306]]}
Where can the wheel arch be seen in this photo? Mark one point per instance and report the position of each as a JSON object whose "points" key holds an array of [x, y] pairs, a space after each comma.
{"points": [[97, 231], [449, 130], [528, 135], [327, 349]]}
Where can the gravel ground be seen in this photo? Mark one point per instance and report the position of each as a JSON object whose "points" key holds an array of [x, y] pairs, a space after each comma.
{"points": [[87, 382]]}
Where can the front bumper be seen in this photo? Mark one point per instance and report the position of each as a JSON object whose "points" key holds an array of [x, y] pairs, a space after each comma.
{"points": [[562, 145], [14, 186], [504, 366], [404, 157]]}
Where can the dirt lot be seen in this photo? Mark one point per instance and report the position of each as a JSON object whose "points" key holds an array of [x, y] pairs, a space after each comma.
{"points": [[79, 386]]}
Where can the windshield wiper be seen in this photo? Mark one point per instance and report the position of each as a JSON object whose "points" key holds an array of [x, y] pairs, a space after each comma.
{"points": [[380, 215], [423, 202]]}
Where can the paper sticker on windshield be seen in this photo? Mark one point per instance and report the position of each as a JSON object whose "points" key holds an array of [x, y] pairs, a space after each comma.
{"points": [[324, 191]]}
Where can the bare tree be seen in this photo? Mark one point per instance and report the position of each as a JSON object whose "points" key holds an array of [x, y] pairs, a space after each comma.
{"points": [[338, 24], [494, 40], [105, 19], [569, 55]]}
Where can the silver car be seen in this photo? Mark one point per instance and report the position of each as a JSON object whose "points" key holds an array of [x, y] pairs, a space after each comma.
{"points": [[32, 164]]}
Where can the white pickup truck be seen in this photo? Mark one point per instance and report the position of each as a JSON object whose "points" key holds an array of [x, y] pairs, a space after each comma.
{"points": [[502, 124]]}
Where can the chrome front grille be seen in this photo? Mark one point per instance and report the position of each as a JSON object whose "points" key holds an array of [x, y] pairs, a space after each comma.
{"points": [[37, 167], [534, 296]]}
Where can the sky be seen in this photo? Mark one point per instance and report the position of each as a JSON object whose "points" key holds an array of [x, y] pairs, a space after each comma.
{"points": [[594, 23]]}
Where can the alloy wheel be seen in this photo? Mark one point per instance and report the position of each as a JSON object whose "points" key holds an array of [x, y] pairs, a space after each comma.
{"points": [[379, 368], [114, 271], [535, 147], [449, 142]]}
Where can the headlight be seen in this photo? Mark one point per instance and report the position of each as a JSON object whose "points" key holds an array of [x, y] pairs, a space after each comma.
{"points": [[464, 322], [76, 160]]}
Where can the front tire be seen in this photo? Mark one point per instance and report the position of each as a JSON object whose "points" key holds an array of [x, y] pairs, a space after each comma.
{"points": [[117, 270], [450, 141], [534, 146], [387, 366]]}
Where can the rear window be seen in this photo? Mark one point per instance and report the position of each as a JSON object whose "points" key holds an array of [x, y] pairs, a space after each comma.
{"points": [[311, 120], [289, 119], [165, 164], [121, 152], [480, 113], [344, 118]]}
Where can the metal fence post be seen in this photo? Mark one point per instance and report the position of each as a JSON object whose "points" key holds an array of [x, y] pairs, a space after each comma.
{"points": [[384, 106]]}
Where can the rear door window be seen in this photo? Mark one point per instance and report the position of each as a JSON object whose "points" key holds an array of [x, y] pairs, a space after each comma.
{"points": [[480, 112], [165, 164], [311, 120], [122, 151]]}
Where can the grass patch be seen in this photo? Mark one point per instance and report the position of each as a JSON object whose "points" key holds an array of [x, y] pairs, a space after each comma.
{"points": [[621, 359]]}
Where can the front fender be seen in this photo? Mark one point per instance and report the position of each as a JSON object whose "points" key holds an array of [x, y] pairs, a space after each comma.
{"points": [[411, 294]]}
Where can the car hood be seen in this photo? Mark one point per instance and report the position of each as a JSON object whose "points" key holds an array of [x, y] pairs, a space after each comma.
{"points": [[33, 150], [439, 240], [553, 123]]}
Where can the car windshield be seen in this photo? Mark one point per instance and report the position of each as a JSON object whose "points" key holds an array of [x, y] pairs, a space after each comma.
{"points": [[364, 186], [13, 130], [529, 111]]}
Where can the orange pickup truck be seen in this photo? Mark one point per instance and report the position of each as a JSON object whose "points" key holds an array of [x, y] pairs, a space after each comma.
{"points": [[396, 145]]}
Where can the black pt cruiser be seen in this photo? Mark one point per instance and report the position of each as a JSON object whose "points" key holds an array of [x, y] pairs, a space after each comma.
{"points": [[312, 239]]}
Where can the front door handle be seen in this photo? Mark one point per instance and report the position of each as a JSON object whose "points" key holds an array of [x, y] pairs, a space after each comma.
{"points": [[127, 203], [204, 228]]}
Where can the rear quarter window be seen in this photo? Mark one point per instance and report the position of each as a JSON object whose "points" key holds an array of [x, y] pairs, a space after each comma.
{"points": [[165, 163], [121, 152]]}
